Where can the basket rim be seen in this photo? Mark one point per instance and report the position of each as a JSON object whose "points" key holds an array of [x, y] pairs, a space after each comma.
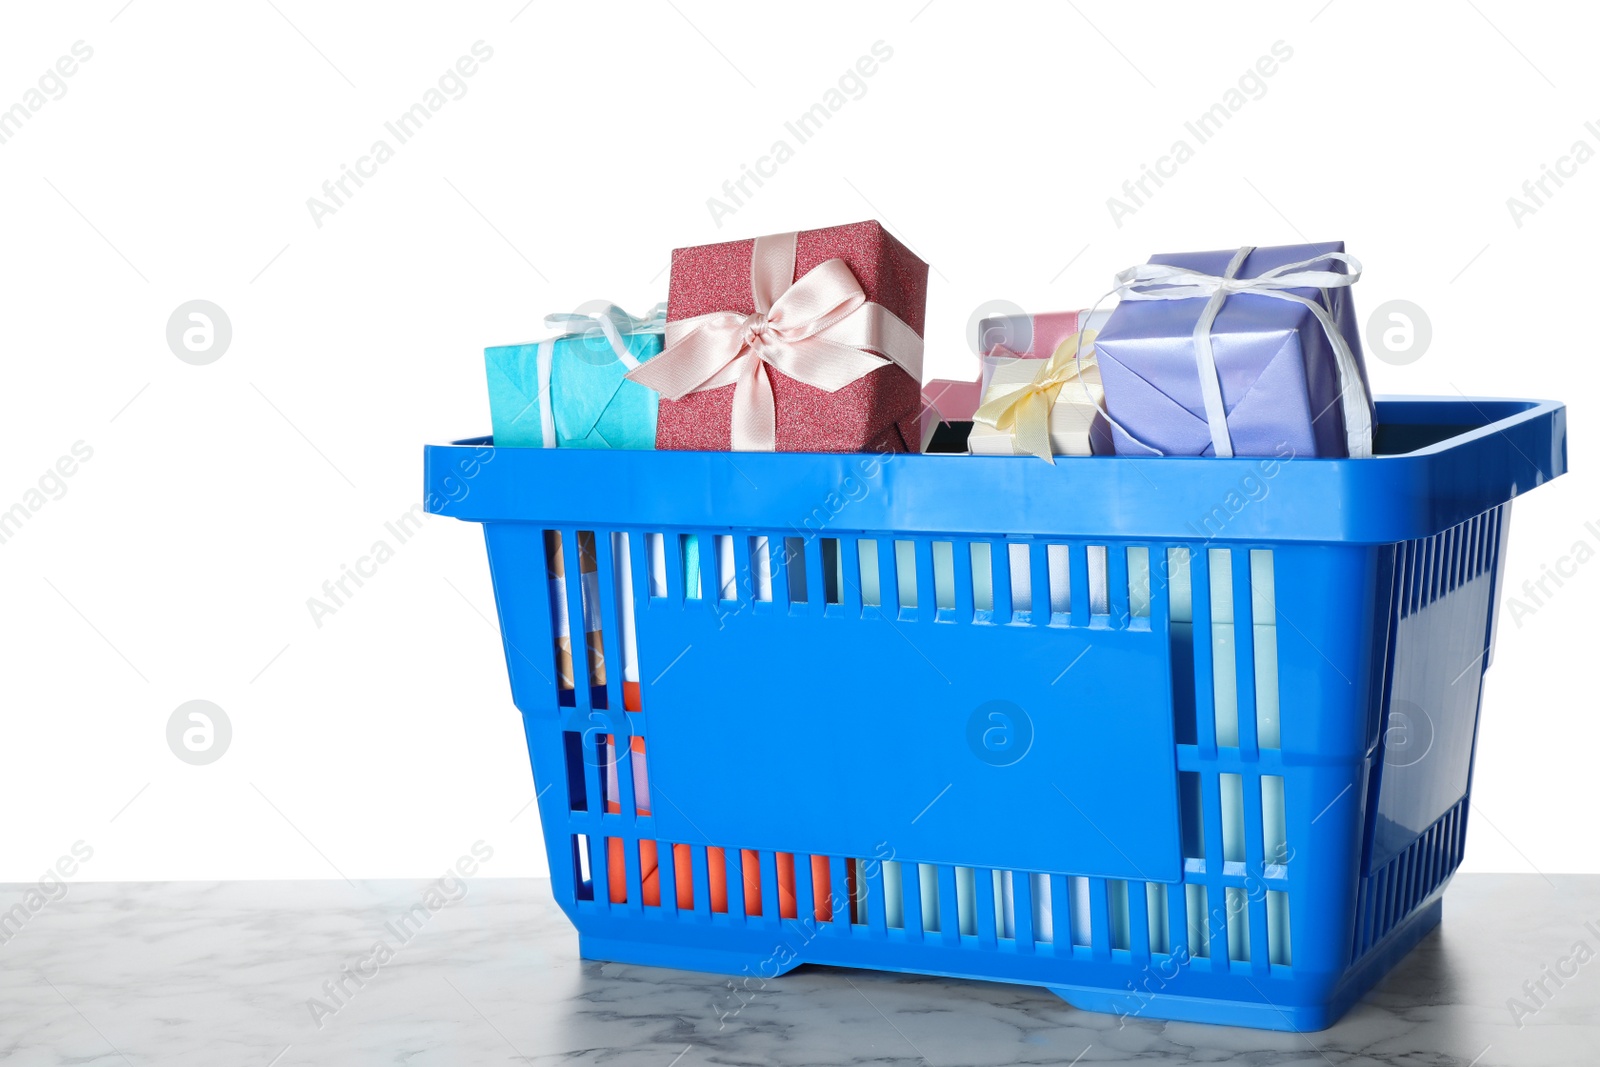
{"points": [[1504, 448]]}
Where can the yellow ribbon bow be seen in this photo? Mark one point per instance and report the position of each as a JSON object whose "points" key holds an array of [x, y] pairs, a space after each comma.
{"points": [[1026, 411]]}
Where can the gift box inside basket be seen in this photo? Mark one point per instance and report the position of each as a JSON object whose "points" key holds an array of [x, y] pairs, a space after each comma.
{"points": [[1041, 388], [1022, 343], [1247, 352], [995, 718], [798, 342], [572, 390]]}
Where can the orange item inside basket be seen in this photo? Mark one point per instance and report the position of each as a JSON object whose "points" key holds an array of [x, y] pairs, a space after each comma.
{"points": [[716, 861]]}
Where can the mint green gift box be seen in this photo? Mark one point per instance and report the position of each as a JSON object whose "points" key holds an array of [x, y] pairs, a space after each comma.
{"points": [[572, 391]]}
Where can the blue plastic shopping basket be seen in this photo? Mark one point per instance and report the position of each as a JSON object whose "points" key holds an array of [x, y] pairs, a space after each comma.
{"points": [[1176, 738]]}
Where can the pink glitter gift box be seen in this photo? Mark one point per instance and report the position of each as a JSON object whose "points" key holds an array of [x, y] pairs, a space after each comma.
{"points": [[878, 412]]}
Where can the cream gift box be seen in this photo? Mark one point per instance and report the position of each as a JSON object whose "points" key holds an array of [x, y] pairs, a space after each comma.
{"points": [[1077, 426]]}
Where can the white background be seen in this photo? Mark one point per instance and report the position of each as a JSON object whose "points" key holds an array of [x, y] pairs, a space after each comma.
{"points": [[219, 498]]}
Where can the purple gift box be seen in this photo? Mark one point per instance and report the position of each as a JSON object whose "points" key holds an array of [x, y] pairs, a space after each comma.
{"points": [[1277, 368]]}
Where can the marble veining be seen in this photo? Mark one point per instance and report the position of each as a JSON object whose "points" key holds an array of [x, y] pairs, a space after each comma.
{"points": [[233, 974]]}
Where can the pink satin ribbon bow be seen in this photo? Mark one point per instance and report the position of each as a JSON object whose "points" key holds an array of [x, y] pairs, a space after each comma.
{"points": [[819, 329]]}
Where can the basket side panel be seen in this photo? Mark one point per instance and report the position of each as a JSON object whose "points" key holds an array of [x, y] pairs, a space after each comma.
{"points": [[1444, 591], [1443, 598]]}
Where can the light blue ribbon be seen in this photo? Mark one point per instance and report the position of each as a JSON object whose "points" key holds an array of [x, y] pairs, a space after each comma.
{"points": [[612, 322]]}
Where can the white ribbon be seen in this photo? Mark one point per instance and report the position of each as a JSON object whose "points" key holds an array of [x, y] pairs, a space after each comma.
{"points": [[545, 356], [1181, 283], [613, 323]]}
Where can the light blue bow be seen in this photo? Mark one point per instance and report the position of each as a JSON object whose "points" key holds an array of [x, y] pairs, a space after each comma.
{"points": [[596, 319], [654, 322], [591, 321]]}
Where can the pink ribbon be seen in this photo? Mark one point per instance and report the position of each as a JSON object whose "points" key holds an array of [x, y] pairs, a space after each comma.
{"points": [[819, 329]]}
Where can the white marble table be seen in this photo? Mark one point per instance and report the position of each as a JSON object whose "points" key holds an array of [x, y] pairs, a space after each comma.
{"points": [[224, 973]]}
